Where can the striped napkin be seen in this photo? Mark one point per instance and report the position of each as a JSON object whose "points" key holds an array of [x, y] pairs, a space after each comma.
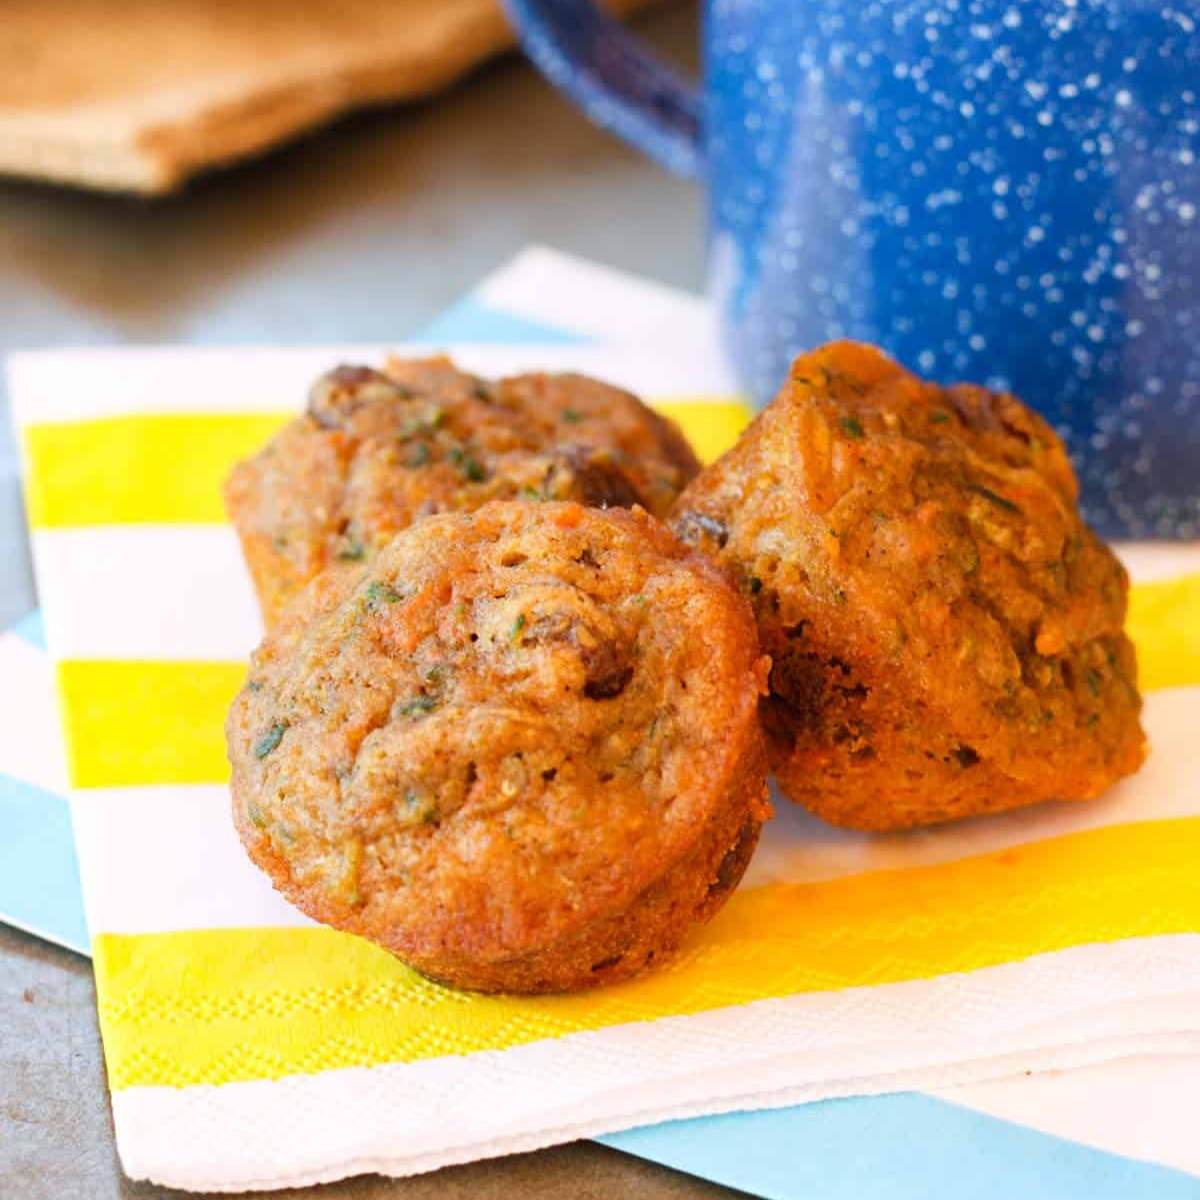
{"points": [[247, 1047]]}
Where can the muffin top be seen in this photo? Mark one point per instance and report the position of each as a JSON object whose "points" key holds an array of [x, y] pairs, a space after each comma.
{"points": [[511, 723], [375, 450], [920, 547]]}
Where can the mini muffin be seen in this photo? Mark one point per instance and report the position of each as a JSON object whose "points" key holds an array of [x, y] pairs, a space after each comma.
{"points": [[520, 750], [378, 449], [945, 631]]}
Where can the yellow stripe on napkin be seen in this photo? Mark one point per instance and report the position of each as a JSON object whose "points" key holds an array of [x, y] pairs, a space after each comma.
{"points": [[711, 425], [144, 722], [131, 722], [1164, 622], [165, 469], [158, 469], [263, 1003]]}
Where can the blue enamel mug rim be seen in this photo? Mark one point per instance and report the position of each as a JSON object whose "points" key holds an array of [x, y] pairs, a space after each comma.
{"points": [[620, 84]]}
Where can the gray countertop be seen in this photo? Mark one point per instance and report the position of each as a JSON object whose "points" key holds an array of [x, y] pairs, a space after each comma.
{"points": [[362, 232]]}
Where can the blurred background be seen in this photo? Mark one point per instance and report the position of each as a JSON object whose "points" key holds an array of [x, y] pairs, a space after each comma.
{"points": [[361, 230]]}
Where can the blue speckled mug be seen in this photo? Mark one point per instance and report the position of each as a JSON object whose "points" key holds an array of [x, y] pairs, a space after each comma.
{"points": [[1004, 191]]}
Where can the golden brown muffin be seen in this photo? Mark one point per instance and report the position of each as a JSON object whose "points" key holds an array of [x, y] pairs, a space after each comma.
{"points": [[521, 750], [946, 632], [376, 450]]}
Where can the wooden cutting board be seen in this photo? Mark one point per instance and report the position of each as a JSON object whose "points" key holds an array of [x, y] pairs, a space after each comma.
{"points": [[139, 95]]}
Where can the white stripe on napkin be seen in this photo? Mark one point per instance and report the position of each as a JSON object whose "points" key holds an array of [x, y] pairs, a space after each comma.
{"points": [[32, 741], [44, 385], [1142, 1107], [197, 603]]}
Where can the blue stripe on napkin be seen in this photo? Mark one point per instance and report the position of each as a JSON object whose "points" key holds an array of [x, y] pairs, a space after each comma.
{"points": [[899, 1147], [39, 874], [472, 321], [31, 628]]}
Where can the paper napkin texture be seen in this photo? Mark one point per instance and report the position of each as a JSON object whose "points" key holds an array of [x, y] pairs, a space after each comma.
{"points": [[248, 1048]]}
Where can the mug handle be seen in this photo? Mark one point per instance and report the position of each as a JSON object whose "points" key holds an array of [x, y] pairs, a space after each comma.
{"points": [[618, 84]]}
